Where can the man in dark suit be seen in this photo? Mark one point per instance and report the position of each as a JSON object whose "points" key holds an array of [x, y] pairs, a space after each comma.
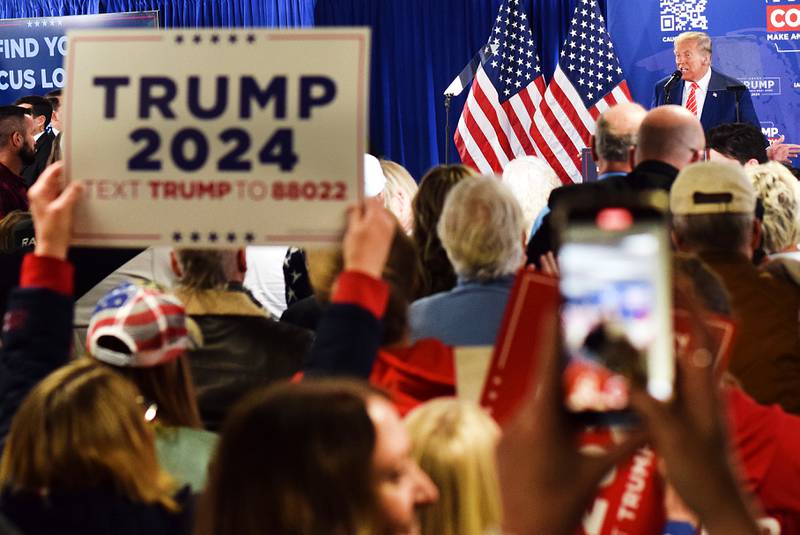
{"points": [[669, 139], [704, 91], [41, 111]]}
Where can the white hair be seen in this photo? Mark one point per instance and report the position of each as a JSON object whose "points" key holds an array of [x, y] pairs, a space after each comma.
{"points": [[531, 180], [481, 229], [776, 187]]}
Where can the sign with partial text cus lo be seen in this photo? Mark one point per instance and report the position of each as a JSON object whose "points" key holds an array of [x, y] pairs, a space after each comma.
{"points": [[215, 138]]}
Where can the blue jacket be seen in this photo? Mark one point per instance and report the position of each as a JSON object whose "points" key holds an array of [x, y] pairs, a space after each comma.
{"points": [[468, 315], [720, 104]]}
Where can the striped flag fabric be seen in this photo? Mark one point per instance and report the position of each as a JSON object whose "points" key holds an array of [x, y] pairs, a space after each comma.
{"points": [[496, 123], [587, 81]]}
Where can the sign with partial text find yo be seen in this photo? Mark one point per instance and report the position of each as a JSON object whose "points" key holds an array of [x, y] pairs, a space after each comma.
{"points": [[215, 138]]}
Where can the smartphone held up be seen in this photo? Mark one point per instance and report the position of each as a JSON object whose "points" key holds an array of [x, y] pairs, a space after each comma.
{"points": [[616, 313]]}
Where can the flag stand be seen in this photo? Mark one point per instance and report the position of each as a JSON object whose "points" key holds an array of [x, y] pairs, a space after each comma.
{"points": [[447, 98]]}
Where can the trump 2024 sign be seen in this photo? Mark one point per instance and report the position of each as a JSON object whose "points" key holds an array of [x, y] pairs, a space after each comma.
{"points": [[215, 138]]}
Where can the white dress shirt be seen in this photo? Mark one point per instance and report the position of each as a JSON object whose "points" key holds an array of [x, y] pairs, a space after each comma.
{"points": [[699, 94]]}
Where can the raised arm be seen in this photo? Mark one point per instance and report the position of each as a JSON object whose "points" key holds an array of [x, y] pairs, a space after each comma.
{"points": [[38, 324], [349, 333]]}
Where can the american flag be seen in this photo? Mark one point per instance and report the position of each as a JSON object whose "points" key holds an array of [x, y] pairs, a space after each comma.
{"points": [[495, 125], [587, 81]]}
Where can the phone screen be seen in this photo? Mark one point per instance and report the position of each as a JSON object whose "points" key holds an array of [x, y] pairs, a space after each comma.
{"points": [[617, 312]]}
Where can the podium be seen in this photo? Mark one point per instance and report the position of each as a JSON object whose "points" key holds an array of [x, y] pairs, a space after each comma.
{"points": [[588, 166]]}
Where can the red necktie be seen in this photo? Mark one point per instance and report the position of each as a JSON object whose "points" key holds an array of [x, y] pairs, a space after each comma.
{"points": [[691, 104]]}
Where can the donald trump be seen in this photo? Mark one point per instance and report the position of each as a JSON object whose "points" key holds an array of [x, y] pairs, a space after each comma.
{"points": [[712, 96]]}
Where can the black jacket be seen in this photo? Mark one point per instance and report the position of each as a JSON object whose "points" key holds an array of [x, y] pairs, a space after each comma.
{"points": [[648, 176], [242, 349], [36, 339], [44, 145], [94, 513]]}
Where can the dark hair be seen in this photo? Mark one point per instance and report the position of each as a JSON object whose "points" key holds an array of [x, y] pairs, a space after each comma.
{"points": [[740, 141], [723, 232], [696, 279], [293, 459], [205, 269], [15, 226], [169, 386], [12, 120], [437, 274], [54, 98], [402, 273], [613, 146], [39, 106]]}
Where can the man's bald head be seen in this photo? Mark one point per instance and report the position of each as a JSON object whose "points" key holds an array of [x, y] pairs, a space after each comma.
{"points": [[616, 134], [670, 134]]}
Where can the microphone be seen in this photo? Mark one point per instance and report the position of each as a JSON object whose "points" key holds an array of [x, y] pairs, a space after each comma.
{"points": [[736, 87], [672, 79]]}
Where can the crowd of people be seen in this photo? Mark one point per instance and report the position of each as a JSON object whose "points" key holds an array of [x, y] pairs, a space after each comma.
{"points": [[305, 392]]}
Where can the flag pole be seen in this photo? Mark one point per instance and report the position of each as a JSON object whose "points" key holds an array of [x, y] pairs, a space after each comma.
{"points": [[447, 98], [458, 84]]}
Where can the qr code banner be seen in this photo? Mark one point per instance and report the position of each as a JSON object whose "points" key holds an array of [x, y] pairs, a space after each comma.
{"points": [[683, 15]]}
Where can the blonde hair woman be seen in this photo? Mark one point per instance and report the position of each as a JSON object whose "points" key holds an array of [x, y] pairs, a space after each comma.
{"points": [[398, 193], [454, 443], [80, 457], [777, 189]]}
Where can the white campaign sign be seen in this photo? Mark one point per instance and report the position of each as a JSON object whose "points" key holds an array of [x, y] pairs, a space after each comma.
{"points": [[215, 137]]}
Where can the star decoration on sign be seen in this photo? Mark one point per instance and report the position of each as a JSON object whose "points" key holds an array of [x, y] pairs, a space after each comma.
{"points": [[195, 237], [177, 236], [231, 237], [197, 39]]}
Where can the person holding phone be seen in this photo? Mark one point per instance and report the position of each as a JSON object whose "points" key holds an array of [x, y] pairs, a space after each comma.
{"points": [[546, 482]]}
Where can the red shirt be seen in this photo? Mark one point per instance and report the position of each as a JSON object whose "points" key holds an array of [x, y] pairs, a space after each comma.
{"points": [[766, 439], [13, 193]]}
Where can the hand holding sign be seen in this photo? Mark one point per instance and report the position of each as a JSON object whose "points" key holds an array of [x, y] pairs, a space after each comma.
{"points": [[546, 481], [689, 433]]}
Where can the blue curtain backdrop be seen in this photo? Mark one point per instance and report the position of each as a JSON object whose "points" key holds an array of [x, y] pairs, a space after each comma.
{"points": [[177, 13], [419, 46]]}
